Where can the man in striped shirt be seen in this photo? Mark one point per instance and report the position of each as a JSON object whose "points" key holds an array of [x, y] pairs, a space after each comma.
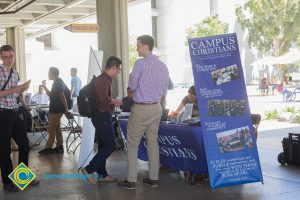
{"points": [[11, 125], [149, 81]]}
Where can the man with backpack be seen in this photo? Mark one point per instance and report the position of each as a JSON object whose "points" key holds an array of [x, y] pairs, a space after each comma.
{"points": [[59, 99], [102, 121]]}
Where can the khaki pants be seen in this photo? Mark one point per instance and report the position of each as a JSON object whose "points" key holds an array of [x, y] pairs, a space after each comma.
{"points": [[54, 130], [143, 119]]}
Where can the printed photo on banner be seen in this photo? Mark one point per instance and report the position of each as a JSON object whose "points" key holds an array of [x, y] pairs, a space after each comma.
{"points": [[230, 108], [225, 74], [235, 140]]}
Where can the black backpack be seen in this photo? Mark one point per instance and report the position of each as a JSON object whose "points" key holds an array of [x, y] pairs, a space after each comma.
{"points": [[86, 100], [67, 93]]}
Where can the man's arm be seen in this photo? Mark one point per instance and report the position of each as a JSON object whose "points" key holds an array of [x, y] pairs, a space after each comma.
{"points": [[134, 76], [73, 82], [17, 89], [72, 91], [46, 89], [63, 100]]}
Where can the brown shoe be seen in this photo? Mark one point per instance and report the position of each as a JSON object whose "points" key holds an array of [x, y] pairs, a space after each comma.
{"points": [[89, 177], [107, 179]]}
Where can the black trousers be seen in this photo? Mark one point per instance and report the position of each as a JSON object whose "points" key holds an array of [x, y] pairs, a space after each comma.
{"points": [[106, 143], [11, 126]]}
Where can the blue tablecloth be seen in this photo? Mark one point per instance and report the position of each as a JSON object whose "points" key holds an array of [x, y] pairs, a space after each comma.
{"points": [[181, 147]]}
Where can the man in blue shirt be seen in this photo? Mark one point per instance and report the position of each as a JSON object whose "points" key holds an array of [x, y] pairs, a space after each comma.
{"points": [[75, 83]]}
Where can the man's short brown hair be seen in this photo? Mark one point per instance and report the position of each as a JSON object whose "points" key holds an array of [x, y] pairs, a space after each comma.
{"points": [[54, 71], [6, 48], [74, 70], [147, 40]]}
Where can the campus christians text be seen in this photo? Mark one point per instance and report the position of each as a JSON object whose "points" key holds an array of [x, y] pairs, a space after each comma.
{"points": [[171, 146], [213, 46]]}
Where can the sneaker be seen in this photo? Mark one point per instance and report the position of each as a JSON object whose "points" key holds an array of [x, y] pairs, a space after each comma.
{"points": [[10, 187], [59, 149], [90, 177], [127, 185], [152, 183], [107, 179], [45, 151]]}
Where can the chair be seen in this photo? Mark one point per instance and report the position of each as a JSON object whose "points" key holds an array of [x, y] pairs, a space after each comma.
{"points": [[256, 118], [75, 133], [121, 143], [38, 126]]}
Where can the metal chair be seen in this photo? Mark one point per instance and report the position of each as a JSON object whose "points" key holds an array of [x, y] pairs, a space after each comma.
{"points": [[121, 143], [74, 134], [38, 126]]}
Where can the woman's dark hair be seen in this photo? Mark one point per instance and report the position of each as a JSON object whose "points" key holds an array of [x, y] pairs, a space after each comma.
{"points": [[192, 90], [147, 40], [112, 61]]}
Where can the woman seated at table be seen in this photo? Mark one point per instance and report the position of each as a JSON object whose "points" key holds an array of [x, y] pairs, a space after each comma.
{"points": [[275, 83], [190, 98], [263, 86], [285, 92]]}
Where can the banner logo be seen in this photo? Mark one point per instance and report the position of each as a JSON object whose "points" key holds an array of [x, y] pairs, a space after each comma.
{"points": [[22, 176]]}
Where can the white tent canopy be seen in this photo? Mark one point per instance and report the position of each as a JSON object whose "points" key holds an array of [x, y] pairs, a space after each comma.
{"points": [[290, 57]]}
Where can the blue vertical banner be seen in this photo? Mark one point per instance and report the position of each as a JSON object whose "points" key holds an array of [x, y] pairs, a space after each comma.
{"points": [[228, 132]]}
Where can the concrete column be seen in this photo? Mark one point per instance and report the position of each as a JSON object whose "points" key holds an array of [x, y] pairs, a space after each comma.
{"points": [[165, 26], [214, 10], [113, 37], [16, 38]]}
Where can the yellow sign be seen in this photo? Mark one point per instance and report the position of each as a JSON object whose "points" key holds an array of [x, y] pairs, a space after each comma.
{"points": [[83, 28], [22, 176]]}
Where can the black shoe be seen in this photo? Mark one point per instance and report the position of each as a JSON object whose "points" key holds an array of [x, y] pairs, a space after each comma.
{"points": [[127, 185], [59, 149], [45, 151], [10, 187], [34, 183], [152, 183]]}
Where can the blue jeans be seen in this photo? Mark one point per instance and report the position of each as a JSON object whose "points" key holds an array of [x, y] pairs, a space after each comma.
{"points": [[106, 143]]}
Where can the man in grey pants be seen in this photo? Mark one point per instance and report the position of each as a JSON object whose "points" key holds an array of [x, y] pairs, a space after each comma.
{"points": [[149, 82]]}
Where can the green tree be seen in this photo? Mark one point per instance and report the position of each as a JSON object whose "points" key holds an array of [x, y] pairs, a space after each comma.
{"points": [[133, 56], [207, 27], [272, 24]]}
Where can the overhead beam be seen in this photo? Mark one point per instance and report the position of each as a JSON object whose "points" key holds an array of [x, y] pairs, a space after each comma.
{"points": [[20, 16], [7, 1], [35, 9], [61, 17], [53, 2], [88, 4], [79, 11], [48, 30], [13, 22]]}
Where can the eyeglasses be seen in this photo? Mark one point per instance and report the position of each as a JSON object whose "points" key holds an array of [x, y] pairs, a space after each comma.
{"points": [[8, 57]]}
